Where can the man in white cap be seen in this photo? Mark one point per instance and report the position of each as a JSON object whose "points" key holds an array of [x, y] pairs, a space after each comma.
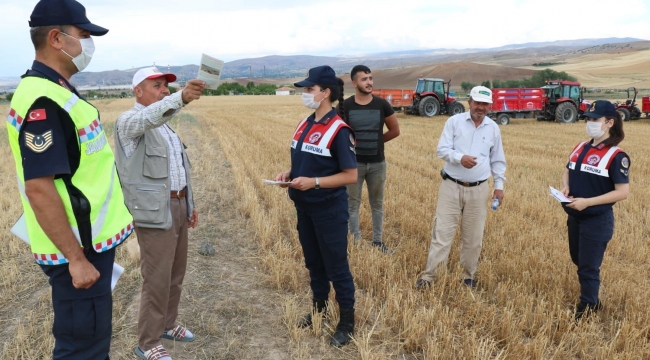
{"points": [[155, 175], [471, 147]]}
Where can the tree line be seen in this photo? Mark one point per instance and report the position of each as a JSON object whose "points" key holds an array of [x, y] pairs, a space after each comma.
{"points": [[538, 79], [239, 89]]}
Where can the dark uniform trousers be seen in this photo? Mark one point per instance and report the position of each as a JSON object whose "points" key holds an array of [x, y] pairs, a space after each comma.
{"points": [[588, 238], [322, 230], [82, 317]]}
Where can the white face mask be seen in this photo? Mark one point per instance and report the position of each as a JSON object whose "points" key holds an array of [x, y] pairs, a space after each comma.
{"points": [[308, 101], [82, 60], [595, 129]]}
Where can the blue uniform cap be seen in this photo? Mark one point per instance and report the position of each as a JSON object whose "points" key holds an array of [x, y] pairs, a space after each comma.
{"points": [[63, 12], [600, 108], [323, 75]]}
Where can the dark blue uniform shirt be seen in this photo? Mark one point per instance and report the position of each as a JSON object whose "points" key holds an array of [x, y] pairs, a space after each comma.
{"points": [[312, 165], [62, 156], [586, 185]]}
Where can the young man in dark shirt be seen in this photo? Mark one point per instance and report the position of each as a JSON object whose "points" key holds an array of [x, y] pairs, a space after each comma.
{"points": [[367, 114]]}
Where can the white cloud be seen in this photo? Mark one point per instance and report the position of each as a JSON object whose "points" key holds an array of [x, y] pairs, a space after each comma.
{"points": [[177, 32]]}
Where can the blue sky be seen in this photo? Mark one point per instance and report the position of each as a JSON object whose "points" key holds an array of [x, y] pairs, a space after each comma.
{"points": [[177, 32]]}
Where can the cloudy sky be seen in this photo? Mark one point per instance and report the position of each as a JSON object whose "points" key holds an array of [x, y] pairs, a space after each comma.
{"points": [[176, 32]]}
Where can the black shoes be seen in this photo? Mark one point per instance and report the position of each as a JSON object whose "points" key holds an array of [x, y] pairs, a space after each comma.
{"points": [[319, 307], [422, 284], [345, 329], [381, 246], [470, 282], [583, 309]]}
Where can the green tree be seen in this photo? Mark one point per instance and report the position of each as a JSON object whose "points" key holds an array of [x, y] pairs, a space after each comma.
{"points": [[486, 83], [172, 89], [467, 86], [9, 96]]}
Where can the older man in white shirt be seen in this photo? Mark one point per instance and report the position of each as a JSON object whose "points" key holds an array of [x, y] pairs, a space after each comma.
{"points": [[471, 146]]}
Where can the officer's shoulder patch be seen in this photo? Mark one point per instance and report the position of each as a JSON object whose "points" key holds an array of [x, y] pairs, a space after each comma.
{"points": [[352, 149], [36, 115], [38, 143], [625, 172], [625, 162], [351, 139]]}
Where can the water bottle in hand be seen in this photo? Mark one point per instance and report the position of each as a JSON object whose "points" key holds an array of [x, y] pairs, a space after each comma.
{"points": [[495, 203]]}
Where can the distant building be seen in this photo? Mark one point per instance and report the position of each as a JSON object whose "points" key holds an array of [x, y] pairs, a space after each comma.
{"points": [[285, 90]]}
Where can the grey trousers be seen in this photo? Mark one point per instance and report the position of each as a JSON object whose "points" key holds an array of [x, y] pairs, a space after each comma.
{"points": [[374, 174]]}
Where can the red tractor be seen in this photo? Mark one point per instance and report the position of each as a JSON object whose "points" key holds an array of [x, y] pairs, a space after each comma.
{"points": [[562, 101], [432, 98], [629, 110]]}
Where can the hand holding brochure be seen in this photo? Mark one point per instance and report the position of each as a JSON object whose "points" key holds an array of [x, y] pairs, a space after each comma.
{"points": [[273, 182], [559, 196], [210, 71]]}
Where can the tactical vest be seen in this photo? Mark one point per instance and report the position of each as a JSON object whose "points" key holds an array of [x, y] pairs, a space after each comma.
{"points": [[107, 222]]}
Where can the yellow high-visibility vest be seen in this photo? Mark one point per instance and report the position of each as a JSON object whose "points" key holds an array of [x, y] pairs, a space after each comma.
{"points": [[96, 178]]}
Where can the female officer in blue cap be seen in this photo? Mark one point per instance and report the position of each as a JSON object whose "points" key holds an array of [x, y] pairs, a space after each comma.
{"points": [[597, 176], [323, 161]]}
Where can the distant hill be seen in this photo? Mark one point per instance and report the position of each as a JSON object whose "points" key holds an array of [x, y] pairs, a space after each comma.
{"points": [[120, 77], [503, 62]]}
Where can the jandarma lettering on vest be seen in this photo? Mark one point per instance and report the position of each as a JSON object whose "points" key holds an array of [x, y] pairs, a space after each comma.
{"points": [[96, 145]]}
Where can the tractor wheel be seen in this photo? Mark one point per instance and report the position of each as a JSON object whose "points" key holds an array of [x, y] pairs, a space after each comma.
{"points": [[635, 113], [566, 113], [624, 114], [456, 108], [503, 119], [429, 106]]}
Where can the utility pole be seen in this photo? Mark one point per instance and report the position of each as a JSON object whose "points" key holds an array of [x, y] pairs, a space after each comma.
{"points": [[250, 71]]}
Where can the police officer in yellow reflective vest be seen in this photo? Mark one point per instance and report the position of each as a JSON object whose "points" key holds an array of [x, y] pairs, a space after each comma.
{"points": [[74, 210]]}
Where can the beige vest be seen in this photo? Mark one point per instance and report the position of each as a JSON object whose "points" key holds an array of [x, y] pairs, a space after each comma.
{"points": [[146, 183]]}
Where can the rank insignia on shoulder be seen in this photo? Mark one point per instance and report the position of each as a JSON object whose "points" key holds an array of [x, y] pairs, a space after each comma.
{"points": [[625, 172], [352, 149], [351, 139], [38, 143], [625, 162]]}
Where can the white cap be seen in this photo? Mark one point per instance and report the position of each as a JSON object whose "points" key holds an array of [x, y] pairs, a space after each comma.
{"points": [[150, 73], [481, 94]]}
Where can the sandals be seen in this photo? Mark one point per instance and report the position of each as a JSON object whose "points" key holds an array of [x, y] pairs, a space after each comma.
{"points": [[178, 333], [156, 353]]}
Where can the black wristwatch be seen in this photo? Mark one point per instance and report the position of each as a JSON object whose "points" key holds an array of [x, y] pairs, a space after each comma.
{"points": [[317, 186]]}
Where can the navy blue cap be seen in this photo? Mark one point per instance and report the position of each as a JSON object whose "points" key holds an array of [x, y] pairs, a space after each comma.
{"points": [[323, 75], [600, 108], [63, 12]]}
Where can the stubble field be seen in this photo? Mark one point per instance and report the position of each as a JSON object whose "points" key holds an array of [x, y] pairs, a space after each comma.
{"points": [[243, 303]]}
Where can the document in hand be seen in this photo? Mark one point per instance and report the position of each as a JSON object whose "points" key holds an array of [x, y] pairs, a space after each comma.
{"points": [[559, 196], [273, 182], [210, 71]]}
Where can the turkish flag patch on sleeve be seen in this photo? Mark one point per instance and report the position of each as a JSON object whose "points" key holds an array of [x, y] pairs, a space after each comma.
{"points": [[35, 115]]}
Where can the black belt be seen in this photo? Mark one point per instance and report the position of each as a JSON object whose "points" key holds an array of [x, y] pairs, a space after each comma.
{"points": [[465, 184]]}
